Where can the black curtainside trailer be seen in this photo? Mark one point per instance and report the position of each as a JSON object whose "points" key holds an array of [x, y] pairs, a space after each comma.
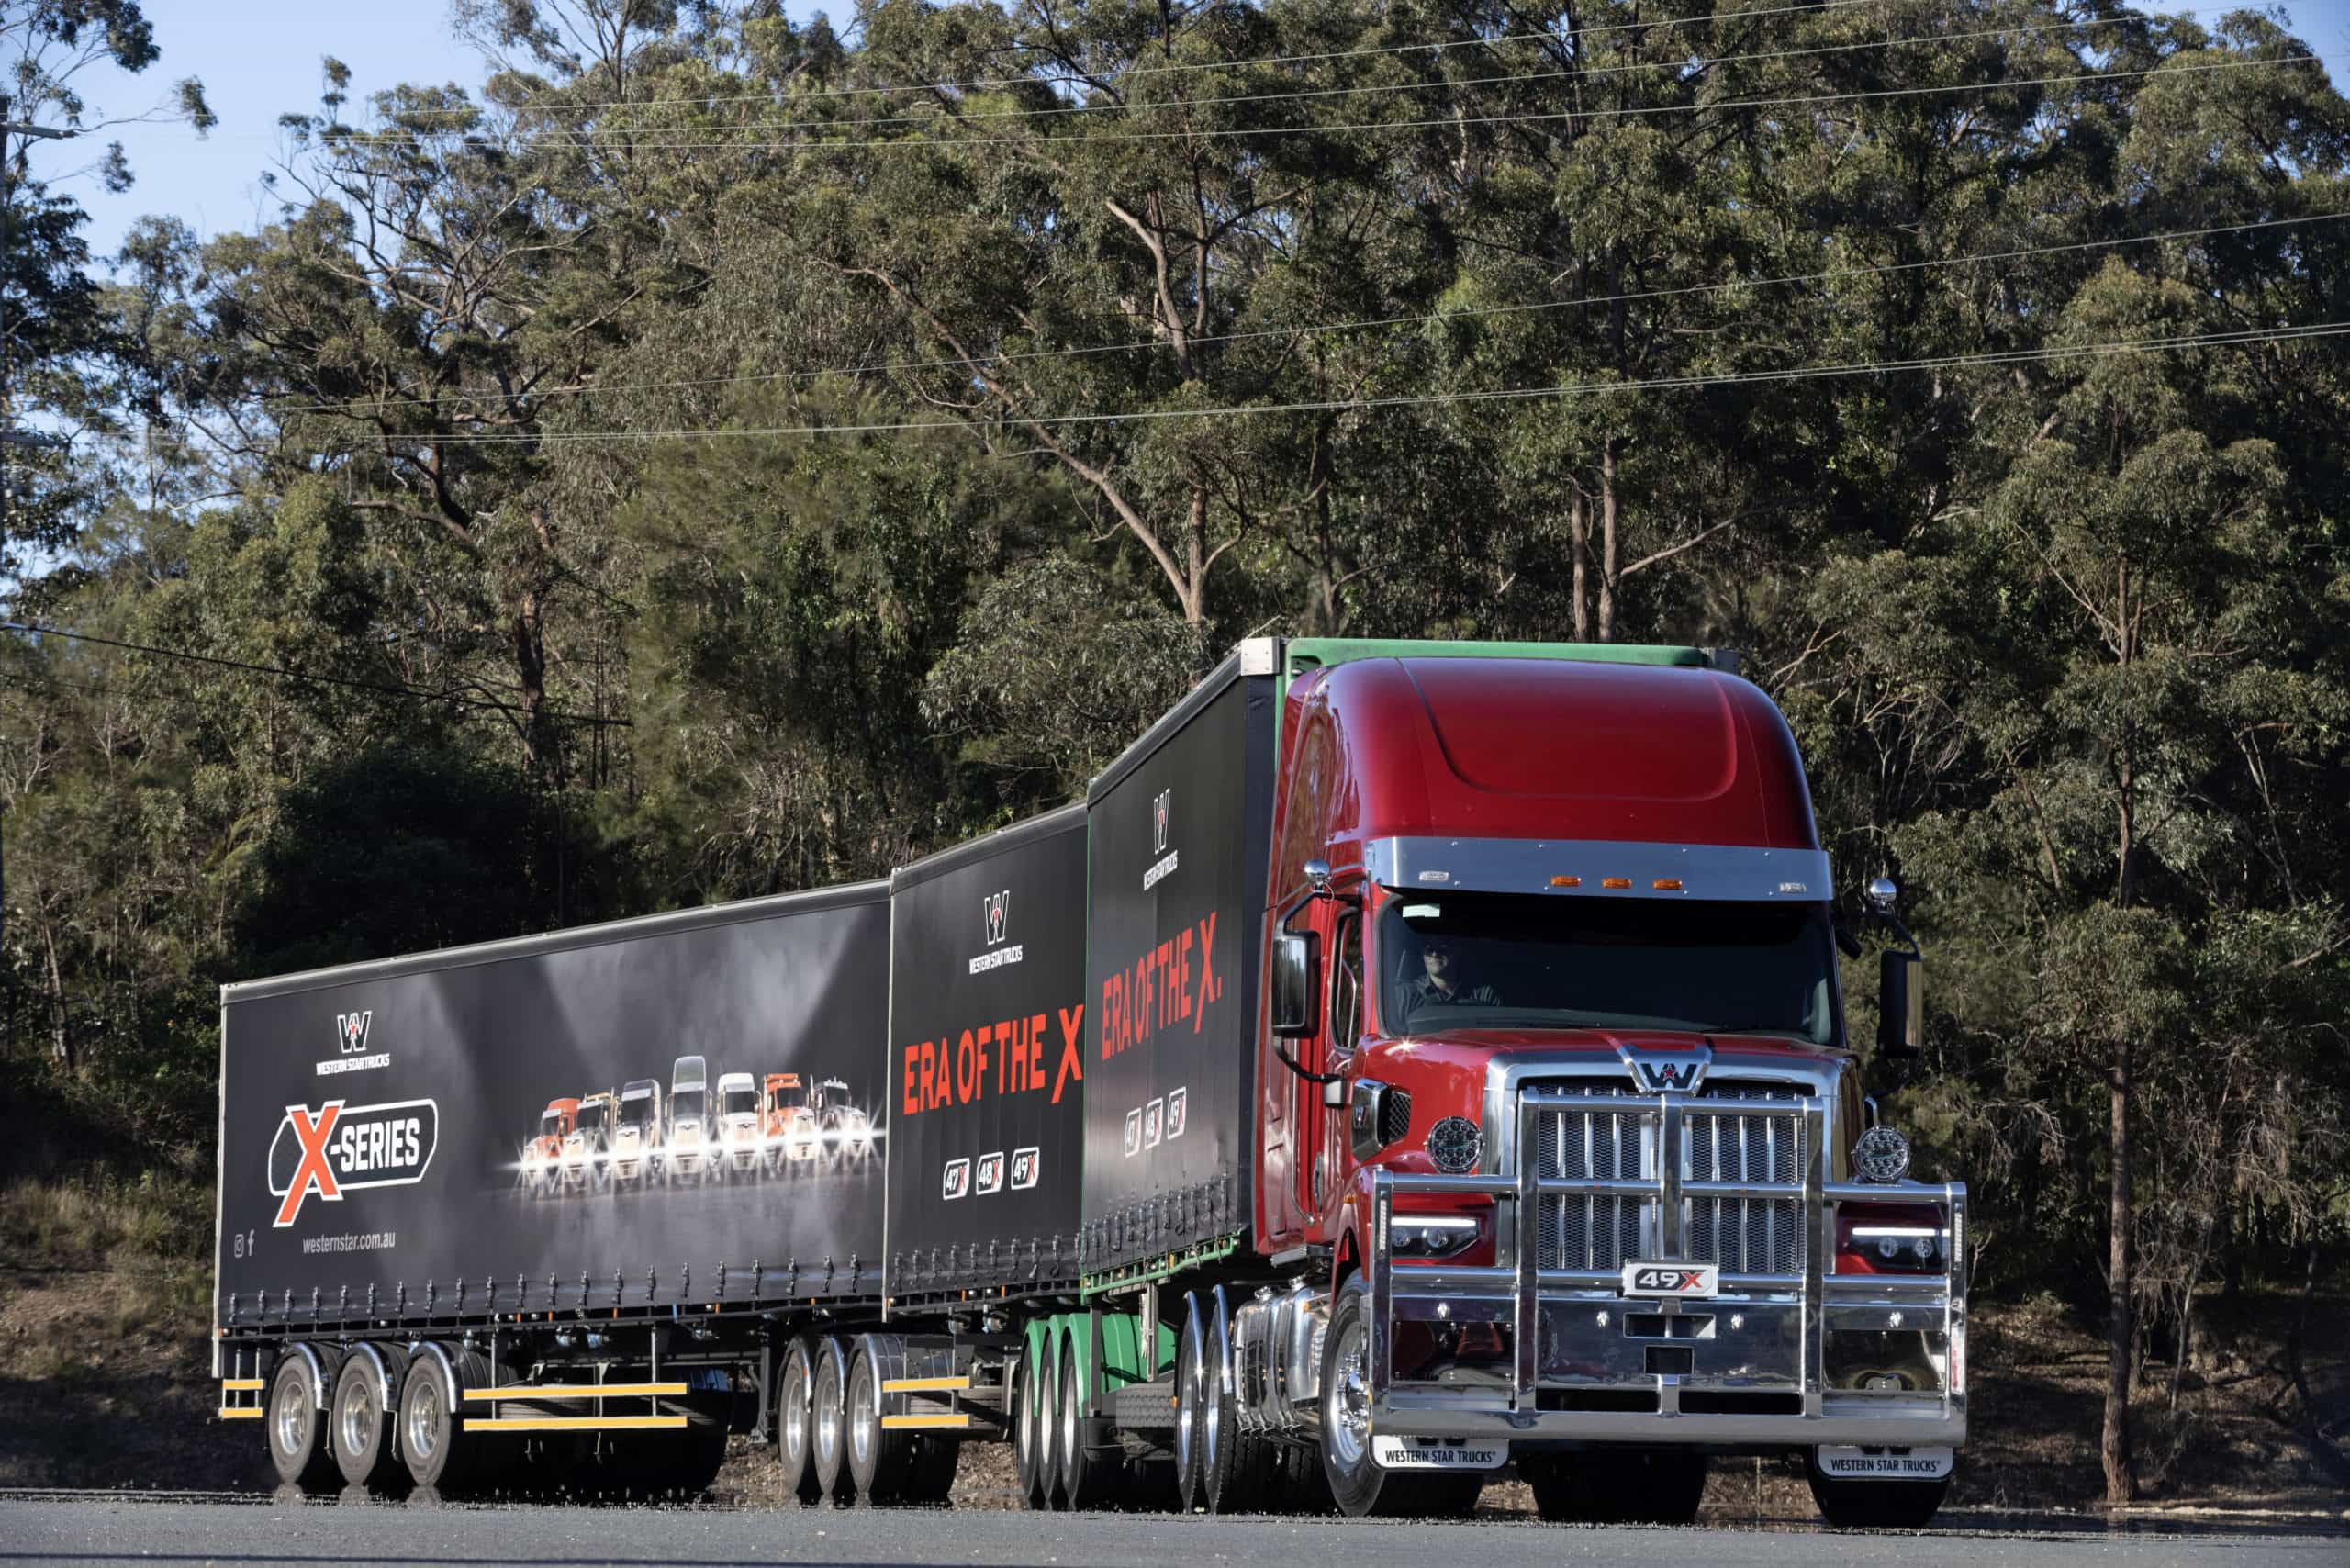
{"points": [[1179, 831], [533, 1126], [987, 1064]]}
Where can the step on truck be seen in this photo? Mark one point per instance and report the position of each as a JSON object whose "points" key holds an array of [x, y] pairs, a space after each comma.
{"points": [[1412, 1063]]}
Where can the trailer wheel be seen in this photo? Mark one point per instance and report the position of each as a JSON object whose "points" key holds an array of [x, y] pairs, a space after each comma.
{"points": [[881, 1461], [1089, 1478], [1027, 1439], [1049, 1427], [1234, 1465], [298, 1448], [794, 1423], [930, 1478], [365, 1394], [433, 1440], [828, 1420], [1191, 1384], [1873, 1505], [1358, 1484]]}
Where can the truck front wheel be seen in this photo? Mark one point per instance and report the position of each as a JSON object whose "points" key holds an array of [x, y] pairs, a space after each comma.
{"points": [[1873, 1505], [298, 1448], [1358, 1484]]}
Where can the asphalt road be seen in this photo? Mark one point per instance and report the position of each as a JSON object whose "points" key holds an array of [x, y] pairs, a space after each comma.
{"points": [[80, 1530]]}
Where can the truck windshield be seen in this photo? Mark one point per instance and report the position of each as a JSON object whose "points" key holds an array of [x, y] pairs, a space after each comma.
{"points": [[1512, 960], [636, 1110], [741, 1102], [591, 1117], [684, 1104], [551, 1124]]}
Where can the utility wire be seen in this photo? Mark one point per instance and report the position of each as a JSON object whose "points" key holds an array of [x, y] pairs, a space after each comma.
{"points": [[35, 630], [1466, 312], [1217, 133], [639, 141], [1664, 383], [1079, 78]]}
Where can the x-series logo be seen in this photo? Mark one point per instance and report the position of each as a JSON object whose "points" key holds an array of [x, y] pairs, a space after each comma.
{"points": [[314, 1171], [351, 1031], [340, 1147], [994, 907]]}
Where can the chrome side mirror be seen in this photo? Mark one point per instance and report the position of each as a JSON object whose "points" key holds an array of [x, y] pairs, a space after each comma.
{"points": [[1317, 877], [1881, 894], [1293, 984]]}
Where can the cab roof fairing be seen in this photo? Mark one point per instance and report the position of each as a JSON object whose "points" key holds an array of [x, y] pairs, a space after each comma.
{"points": [[1532, 750]]}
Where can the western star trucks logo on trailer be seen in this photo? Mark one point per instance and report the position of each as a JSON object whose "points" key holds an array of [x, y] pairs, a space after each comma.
{"points": [[995, 913], [351, 1031], [1160, 869], [339, 1148]]}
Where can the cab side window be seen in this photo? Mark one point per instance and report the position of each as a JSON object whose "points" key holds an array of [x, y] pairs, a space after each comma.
{"points": [[1346, 986]]}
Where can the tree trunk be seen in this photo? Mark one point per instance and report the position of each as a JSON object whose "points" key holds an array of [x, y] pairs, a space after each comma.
{"points": [[1195, 557], [1609, 563], [2121, 1486], [1579, 543]]}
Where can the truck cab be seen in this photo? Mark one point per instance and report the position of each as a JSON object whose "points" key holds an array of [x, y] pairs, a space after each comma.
{"points": [[1556, 1078], [845, 1126], [543, 1154], [637, 1131], [690, 1136], [740, 1139], [588, 1146], [788, 1121]]}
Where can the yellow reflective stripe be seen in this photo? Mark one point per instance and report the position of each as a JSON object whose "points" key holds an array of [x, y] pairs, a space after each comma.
{"points": [[578, 1391], [903, 1423], [924, 1384], [240, 1412], [240, 1383], [571, 1423]]}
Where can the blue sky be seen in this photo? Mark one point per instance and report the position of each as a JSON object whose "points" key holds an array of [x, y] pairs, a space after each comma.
{"points": [[259, 59]]}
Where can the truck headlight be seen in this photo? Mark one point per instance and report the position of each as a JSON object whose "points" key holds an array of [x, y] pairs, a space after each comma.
{"points": [[1430, 1236]]}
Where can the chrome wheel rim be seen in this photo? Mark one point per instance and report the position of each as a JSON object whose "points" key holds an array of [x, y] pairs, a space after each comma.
{"points": [[1068, 1411], [795, 1419], [1345, 1404], [287, 1423], [423, 1425], [355, 1417], [1188, 1375], [864, 1414], [828, 1428]]}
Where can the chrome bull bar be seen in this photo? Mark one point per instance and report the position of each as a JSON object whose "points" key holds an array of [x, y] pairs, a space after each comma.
{"points": [[1515, 1291]]}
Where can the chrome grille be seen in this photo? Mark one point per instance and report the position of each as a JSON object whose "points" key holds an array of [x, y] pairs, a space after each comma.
{"points": [[1743, 1236]]}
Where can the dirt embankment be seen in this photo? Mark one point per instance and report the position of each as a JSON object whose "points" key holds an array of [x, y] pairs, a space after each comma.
{"points": [[104, 1382]]}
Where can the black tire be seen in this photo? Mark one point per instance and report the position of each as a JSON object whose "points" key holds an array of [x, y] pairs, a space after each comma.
{"points": [[360, 1420], [1049, 1427], [1358, 1484], [1603, 1486], [1027, 1429], [1873, 1505], [294, 1425], [794, 1429], [1089, 1476], [1191, 1388], [929, 1480], [433, 1441], [879, 1461], [1235, 1467], [1305, 1488], [829, 1419]]}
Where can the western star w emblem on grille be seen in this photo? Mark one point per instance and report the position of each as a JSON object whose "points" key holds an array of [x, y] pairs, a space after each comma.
{"points": [[1667, 1071]]}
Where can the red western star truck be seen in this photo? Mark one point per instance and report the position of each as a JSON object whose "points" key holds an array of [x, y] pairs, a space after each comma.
{"points": [[1412, 1061]]}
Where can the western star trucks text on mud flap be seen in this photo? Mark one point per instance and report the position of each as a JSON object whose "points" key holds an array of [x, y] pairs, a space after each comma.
{"points": [[1412, 1061]]}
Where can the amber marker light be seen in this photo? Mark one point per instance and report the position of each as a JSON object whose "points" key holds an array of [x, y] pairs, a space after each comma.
{"points": [[1566, 881], [1666, 884], [1615, 882]]}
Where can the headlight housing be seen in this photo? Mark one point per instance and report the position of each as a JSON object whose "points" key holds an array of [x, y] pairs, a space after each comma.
{"points": [[1432, 1236]]}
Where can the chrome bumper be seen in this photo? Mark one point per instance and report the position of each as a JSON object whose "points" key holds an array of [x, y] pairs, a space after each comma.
{"points": [[1747, 1368]]}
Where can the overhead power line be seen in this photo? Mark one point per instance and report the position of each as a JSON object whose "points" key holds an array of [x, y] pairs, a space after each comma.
{"points": [[356, 406], [30, 629], [1453, 122], [1349, 404], [1065, 77], [639, 139]]}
